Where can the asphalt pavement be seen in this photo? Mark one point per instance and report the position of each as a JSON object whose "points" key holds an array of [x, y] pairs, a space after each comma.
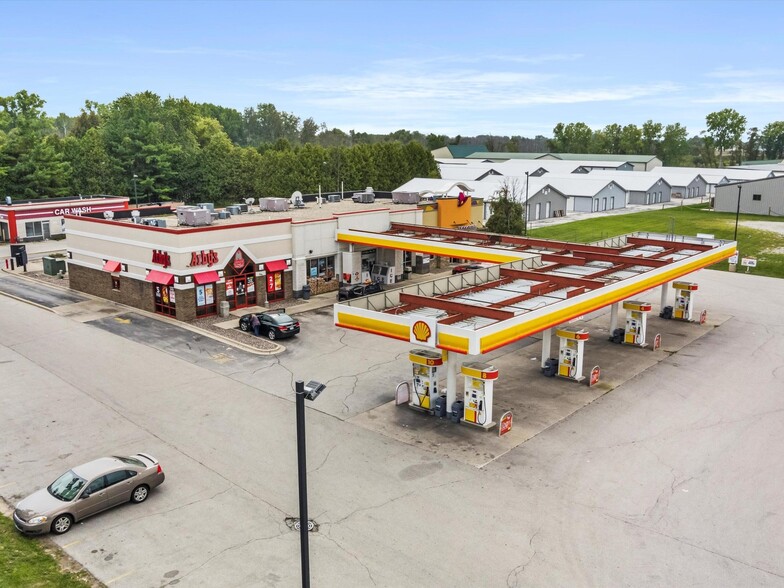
{"points": [[670, 476]]}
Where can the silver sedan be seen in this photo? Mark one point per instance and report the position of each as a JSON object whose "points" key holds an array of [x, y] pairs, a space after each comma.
{"points": [[87, 490]]}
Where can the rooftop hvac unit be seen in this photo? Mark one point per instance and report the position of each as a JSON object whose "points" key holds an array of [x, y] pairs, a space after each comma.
{"points": [[275, 204], [405, 197], [208, 205], [223, 214], [334, 198], [243, 207], [108, 215], [233, 209], [193, 216], [364, 197]]}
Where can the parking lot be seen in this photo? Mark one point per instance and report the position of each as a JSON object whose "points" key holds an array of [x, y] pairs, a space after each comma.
{"points": [[669, 475]]}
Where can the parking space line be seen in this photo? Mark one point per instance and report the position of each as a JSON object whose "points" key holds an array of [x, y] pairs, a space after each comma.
{"points": [[119, 577], [72, 543], [6, 485]]}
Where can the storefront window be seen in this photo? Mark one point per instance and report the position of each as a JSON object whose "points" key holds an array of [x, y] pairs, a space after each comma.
{"points": [[240, 281], [322, 267], [205, 300], [275, 286], [165, 301]]}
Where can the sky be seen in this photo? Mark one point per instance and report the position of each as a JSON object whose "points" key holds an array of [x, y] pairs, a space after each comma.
{"points": [[445, 67]]}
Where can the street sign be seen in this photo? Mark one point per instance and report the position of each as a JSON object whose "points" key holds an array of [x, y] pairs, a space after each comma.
{"points": [[506, 423], [733, 259], [594, 379]]}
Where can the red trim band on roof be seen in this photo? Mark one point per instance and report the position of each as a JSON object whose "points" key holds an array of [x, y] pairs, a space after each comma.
{"points": [[112, 266], [278, 265], [205, 278], [158, 277]]}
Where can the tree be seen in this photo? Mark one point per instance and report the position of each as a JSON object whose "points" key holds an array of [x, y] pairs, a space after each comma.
{"points": [[31, 162], [309, 131], [89, 118], [651, 135], [773, 140], [674, 147], [571, 138], [631, 140], [506, 211], [753, 144], [63, 124], [725, 127]]}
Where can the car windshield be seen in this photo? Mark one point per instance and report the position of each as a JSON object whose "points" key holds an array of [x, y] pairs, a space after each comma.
{"points": [[67, 486], [281, 319]]}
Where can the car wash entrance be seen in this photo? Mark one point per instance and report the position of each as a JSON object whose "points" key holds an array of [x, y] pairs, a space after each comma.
{"points": [[543, 285]]}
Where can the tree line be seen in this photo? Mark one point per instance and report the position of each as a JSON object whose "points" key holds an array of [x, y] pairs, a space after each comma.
{"points": [[175, 149], [720, 144]]}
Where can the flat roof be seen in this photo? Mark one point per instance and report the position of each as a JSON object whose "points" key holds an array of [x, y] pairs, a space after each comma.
{"points": [[543, 284], [311, 211]]}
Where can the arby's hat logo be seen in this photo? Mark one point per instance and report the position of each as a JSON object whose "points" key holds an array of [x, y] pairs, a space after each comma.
{"points": [[462, 199]]}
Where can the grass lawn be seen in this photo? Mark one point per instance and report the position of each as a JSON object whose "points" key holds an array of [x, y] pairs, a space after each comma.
{"points": [[25, 563], [766, 246]]}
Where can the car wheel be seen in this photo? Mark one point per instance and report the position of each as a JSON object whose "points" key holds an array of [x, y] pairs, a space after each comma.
{"points": [[271, 334], [140, 494], [244, 327], [62, 524]]}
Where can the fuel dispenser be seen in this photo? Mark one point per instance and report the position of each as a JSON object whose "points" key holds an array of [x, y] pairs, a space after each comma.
{"points": [[684, 300], [570, 354], [636, 322], [478, 393], [425, 390]]}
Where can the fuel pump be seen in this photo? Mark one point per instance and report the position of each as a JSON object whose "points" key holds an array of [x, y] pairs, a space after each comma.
{"points": [[478, 393], [636, 322], [425, 367], [570, 353], [684, 300]]}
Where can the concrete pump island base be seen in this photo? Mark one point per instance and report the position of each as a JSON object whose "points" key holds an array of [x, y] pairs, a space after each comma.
{"points": [[503, 318]]}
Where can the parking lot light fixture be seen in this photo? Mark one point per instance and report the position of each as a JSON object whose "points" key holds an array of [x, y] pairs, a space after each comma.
{"points": [[311, 391]]}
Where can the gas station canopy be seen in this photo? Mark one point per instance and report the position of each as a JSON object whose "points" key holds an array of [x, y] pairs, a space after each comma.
{"points": [[540, 284]]}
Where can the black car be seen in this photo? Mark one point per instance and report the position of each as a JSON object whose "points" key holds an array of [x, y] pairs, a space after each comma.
{"points": [[468, 267], [275, 324], [359, 290]]}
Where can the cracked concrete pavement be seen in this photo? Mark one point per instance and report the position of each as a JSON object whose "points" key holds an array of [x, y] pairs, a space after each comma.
{"points": [[672, 477]]}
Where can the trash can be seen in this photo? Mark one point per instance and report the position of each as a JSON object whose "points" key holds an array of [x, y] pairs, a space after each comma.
{"points": [[440, 407], [224, 308], [19, 253], [457, 411], [550, 367], [306, 292]]}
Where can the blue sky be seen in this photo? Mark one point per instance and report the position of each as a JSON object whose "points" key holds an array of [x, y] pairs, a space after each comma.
{"points": [[457, 67]]}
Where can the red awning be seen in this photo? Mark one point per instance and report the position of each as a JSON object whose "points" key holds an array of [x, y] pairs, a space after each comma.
{"points": [[277, 266], [205, 278], [160, 278], [112, 266]]}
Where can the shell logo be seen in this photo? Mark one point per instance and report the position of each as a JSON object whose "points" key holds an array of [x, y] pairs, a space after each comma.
{"points": [[421, 331]]}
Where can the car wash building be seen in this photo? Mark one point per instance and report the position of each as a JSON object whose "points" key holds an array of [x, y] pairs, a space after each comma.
{"points": [[24, 221]]}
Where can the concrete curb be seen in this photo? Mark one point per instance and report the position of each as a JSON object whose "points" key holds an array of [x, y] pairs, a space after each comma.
{"points": [[247, 348]]}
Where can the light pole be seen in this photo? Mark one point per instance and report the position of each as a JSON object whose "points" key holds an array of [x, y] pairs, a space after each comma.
{"points": [[311, 392], [135, 195], [737, 214], [525, 207]]}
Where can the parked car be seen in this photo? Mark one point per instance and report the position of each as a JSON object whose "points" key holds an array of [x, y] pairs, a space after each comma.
{"points": [[275, 324], [87, 490], [359, 290], [468, 267]]}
